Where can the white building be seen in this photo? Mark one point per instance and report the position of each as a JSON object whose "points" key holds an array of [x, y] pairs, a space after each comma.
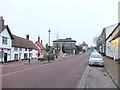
{"points": [[84, 46], [13, 47], [112, 43], [5, 42], [23, 48]]}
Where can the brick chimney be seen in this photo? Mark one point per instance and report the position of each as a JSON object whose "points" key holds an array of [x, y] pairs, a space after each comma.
{"points": [[27, 36], [38, 38], [41, 41], [1, 23]]}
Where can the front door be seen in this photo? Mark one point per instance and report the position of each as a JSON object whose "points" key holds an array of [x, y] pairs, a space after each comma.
{"points": [[16, 57], [5, 57]]}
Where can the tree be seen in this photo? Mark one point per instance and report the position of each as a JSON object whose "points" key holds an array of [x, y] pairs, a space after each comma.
{"points": [[95, 40], [47, 48]]}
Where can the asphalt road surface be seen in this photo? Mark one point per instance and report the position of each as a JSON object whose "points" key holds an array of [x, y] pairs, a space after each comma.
{"points": [[60, 74]]}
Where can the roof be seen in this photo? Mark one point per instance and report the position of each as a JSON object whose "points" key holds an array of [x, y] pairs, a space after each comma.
{"points": [[22, 42], [40, 45], [41, 48], [65, 40], [83, 44], [6, 26], [115, 27]]}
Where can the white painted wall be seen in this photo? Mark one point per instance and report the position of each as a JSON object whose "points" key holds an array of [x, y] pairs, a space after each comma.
{"points": [[9, 41], [6, 48], [33, 52]]}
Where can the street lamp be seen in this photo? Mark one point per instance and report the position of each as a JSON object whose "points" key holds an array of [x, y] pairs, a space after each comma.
{"points": [[49, 38], [49, 46]]}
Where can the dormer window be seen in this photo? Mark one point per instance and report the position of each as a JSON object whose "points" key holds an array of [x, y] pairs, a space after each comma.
{"points": [[4, 40]]}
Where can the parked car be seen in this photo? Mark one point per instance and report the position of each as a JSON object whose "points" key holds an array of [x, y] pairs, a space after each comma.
{"points": [[96, 59], [39, 58]]}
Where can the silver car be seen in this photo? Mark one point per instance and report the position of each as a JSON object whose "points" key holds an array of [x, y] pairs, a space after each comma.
{"points": [[96, 59]]}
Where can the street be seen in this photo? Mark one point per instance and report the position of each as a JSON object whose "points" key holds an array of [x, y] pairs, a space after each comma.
{"points": [[60, 74]]}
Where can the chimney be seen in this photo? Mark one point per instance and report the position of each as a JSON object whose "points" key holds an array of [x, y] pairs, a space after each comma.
{"points": [[1, 23], [41, 41], [27, 36], [38, 38]]}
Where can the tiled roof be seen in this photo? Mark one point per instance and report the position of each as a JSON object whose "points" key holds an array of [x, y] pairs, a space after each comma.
{"points": [[23, 43], [65, 40], [40, 47], [83, 44]]}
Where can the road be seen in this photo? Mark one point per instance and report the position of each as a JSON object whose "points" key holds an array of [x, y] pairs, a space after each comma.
{"points": [[60, 74]]}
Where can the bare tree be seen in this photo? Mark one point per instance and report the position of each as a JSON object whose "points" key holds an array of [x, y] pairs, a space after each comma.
{"points": [[95, 40]]}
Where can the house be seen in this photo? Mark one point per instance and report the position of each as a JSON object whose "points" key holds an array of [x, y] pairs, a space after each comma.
{"points": [[64, 46], [5, 42], [113, 43], [23, 48], [41, 48], [84, 46], [101, 43], [13, 47]]}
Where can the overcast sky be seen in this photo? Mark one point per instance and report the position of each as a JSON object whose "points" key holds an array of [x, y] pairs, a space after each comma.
{"points": [[82, 20]]}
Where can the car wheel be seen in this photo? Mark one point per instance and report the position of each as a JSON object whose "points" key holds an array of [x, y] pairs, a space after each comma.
{"points": [[90, 65]]}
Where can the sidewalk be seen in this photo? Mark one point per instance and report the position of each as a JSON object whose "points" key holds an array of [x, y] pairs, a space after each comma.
{"points": [[96, 77], [100, 77], [112, 67]]}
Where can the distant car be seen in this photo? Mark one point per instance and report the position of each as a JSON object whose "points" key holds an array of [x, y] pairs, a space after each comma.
{"points": [[96, 59]]}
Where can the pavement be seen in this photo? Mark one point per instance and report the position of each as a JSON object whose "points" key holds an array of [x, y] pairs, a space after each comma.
{"points": [[101, 77]]}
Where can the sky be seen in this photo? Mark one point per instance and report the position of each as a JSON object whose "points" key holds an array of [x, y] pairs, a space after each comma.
{"points": [[81, 20]]}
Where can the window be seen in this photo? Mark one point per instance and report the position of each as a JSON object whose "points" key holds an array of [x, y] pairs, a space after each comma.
{"points": [[15, 49], [4, 40], [20, 49], [25, 49]]}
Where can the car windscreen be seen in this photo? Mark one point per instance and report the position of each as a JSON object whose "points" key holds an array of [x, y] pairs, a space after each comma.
{"points": [[95, 56]]}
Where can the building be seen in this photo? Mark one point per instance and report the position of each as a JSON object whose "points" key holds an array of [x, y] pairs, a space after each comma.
{"points": [[23, 48], [101, 43], [64, 46], [14, 48], [5, 42], [84, 46], [113, 43], [41, 48], [118, 11]]}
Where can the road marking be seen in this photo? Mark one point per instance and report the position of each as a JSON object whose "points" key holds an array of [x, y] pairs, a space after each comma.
{"points": [[21, 70]]}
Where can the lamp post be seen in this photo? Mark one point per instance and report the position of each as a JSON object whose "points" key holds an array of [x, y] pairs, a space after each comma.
{"points": [[49, 38], [49, 45]]}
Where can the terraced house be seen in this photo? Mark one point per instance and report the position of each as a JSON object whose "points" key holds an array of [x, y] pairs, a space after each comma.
{"points": [[13, 47], [5, 42], [23, 48]]}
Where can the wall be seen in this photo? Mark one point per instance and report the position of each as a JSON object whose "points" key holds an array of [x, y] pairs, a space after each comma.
{"points": [[18, 52], [5, 34], [6, 48]]}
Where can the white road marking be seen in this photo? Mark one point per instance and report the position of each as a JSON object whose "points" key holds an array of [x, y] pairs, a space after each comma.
{"points": [[21, 70]]}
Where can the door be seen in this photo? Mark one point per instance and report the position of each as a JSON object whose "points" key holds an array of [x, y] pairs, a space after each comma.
{"points": [[5, 57], [16, 57]]}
